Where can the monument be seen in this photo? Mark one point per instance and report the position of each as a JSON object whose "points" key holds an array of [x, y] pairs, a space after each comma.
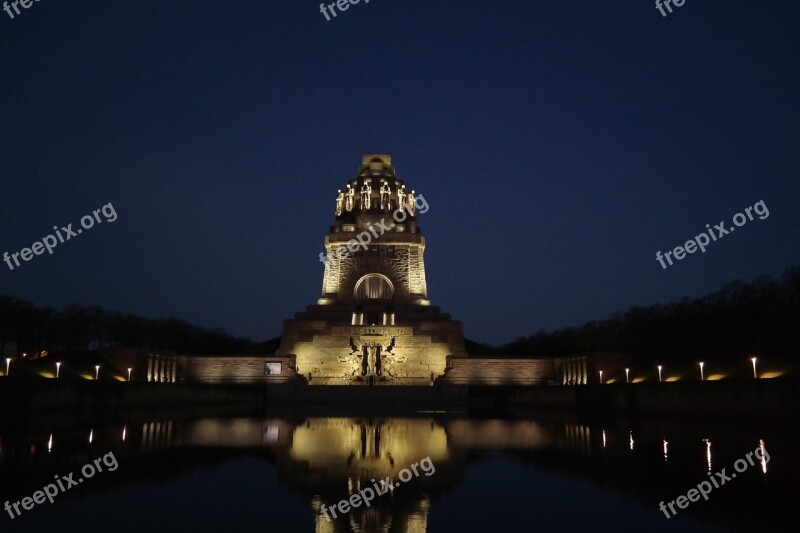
{"points": [[373, 323]]}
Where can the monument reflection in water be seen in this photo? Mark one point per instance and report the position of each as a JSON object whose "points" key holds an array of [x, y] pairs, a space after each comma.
{"points": [[331, 459], [489, 473]]}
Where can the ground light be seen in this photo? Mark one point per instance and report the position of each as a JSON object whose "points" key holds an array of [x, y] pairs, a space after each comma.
{"points": [[755, 374], [659, 373], [701, 371], [58, 369], [96, 372]]}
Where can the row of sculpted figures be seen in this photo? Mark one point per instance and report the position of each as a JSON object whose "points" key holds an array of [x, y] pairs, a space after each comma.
{"points": [[345, 201]]}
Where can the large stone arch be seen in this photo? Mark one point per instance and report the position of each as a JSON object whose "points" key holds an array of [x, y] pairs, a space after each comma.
{"points": [[374, 287]]}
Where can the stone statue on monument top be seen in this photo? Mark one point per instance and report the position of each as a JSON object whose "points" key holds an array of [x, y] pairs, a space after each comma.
{"points": [[401, 197], [339, 202], [366, 196], [348, 198], [386, 194]]}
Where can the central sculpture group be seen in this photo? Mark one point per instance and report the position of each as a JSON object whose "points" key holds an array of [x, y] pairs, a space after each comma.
{"points": [[373, 358]]}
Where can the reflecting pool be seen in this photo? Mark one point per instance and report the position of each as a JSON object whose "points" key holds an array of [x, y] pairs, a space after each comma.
{"points": [[415, 472]]}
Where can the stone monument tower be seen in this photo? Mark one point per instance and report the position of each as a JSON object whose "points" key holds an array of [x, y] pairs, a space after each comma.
{"points": [[373, 323]]}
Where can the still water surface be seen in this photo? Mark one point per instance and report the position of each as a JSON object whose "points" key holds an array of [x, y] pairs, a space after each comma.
{"points": [[262, 472]]}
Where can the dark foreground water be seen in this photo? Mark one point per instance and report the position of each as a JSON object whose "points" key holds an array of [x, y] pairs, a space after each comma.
{"points": [[204, 471]]}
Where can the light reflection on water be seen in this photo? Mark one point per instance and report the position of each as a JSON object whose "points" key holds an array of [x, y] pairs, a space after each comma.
{"points": [[558, 467]]}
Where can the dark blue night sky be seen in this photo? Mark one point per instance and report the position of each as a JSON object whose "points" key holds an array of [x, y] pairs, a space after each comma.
{"points": [[560, 145]]}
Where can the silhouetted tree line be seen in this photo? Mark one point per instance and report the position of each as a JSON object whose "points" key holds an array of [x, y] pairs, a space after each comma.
{"points": [[34, 329], [761, 317]]}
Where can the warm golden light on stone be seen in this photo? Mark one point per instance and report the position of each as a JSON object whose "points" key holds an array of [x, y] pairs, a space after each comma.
{"points": [[373, 323]]}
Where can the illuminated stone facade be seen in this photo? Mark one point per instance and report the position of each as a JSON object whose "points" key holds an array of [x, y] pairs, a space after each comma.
{"points": [[373, 323]]}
